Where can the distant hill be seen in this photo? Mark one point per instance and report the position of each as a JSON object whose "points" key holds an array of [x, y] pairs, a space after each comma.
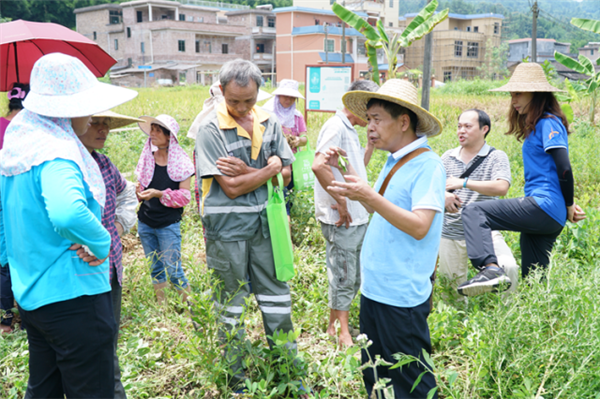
{"points": [[553, 20]]}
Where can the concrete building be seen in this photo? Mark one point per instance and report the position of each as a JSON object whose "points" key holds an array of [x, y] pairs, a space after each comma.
{"points": [[521, 48], [301, 34], [591, 50], [459, 44], [386, 10], [183, 42], [258, 44]]}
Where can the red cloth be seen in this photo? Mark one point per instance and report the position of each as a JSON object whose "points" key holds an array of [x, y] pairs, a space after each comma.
{"points": [[3, 125]]}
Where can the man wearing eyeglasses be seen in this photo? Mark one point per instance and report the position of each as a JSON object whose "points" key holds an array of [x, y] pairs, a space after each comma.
{"points": [[476, 172]]}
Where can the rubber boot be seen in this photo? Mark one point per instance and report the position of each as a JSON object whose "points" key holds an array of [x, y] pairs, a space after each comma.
{"points": [[159, 289]]}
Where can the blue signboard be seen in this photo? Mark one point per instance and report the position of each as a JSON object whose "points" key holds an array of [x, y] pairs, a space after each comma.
{"points": [[144, 66]]}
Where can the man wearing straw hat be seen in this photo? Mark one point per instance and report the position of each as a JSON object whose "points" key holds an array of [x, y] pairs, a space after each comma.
{"points": [[400, 247], [239, 147], [343, 223], [119, 212]]}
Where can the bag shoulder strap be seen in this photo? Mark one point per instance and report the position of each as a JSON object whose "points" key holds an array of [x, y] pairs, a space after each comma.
{"points": [[398, 165], [476, 164]]}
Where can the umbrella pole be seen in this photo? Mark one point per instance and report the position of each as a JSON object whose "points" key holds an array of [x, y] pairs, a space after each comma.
{"points": [[16, 62]]}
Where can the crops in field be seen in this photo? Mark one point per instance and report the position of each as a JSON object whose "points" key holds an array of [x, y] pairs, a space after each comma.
{"points": [[544, 341]]}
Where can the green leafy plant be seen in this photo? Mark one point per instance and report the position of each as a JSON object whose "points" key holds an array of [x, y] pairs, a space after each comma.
{"points": [[377, 38], [584, 65]]}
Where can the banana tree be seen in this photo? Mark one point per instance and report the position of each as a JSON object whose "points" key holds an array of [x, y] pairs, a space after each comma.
{"points": [[584, 65], [377, 38]]}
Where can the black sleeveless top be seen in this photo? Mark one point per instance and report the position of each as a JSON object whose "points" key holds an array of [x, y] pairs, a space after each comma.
{"points": [[152, 212]]}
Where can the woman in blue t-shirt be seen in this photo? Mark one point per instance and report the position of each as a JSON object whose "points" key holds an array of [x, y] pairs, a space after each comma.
{"points": [[535, 118]]}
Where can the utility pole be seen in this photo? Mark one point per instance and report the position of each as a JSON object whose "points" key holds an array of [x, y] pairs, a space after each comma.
{"points": [[344, 38], [326, 44], [426, 89], [535, 11]]}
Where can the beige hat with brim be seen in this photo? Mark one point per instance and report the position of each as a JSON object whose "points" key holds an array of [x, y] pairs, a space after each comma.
{"points": [[528, 77], [115, 120], [396, 91]]}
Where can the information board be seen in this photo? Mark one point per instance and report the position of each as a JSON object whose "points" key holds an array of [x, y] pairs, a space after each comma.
{"points": [[325, 86]]}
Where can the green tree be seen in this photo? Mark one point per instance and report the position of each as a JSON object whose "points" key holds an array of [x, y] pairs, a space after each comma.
{"points": [[421, 25], [494, 65]]}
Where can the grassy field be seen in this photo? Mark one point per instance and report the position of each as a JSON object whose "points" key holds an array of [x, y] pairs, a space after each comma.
{"points": [[544, 341]]}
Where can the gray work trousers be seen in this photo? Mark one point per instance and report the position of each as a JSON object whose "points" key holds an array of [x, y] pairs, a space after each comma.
{"points": [[232, 263]]}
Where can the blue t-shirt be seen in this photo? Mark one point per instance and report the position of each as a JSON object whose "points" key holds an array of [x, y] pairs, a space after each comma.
{"points": [[541, 177], [395, 267], [44, 211]]}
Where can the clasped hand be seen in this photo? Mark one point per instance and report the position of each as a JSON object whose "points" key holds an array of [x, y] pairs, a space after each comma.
{"points": [[83, 254]]}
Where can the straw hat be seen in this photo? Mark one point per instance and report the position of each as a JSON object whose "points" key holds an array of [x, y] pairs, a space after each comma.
{"points": [[397, 91], [528, 77], [288, 87], [166, 121], [63, 87], [115, 120]]}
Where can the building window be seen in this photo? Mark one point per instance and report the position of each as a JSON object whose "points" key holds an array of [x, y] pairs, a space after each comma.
{"points": [[447, 76], [197, 46], [114, 17], [472, 49], [207, 47], [225, 48], [317, 22], [271, 22], [391, 24], [496, 28], [260, 48], [592, 52], [259, 20], [182, 77], [200, 19], [129, 62], [116, 44], [468, 29], [476, 29], [128, 32], [182, 17], [458, 45], [95, 36], [329, 45], [181, 45], [139, 16], [143, 48], [391, 3]]}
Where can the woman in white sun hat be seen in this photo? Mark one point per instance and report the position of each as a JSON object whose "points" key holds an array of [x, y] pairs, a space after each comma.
{"points": [[164, 173], [283, 106], [536, 118], [52, 200]]}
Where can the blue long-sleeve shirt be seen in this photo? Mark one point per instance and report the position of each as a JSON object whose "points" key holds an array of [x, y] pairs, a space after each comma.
{"points": [[44, 211]]}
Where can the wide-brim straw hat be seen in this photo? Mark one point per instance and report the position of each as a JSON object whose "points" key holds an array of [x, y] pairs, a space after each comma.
{"points": [[288, 87], [166, 121], [115, 121], [400, 92], [528, 77], [61, 86]]}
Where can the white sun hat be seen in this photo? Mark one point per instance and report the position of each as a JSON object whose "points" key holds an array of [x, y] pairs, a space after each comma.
{"points": [[63, 87], [166, 121], [288, 87]]}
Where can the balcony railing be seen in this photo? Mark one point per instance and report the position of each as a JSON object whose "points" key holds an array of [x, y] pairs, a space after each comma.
{"points": [[262, 56], [263, 29]]}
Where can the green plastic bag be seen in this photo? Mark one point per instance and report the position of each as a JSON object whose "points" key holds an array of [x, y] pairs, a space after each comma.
{"points": [[279, 228], [304, 178]]}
